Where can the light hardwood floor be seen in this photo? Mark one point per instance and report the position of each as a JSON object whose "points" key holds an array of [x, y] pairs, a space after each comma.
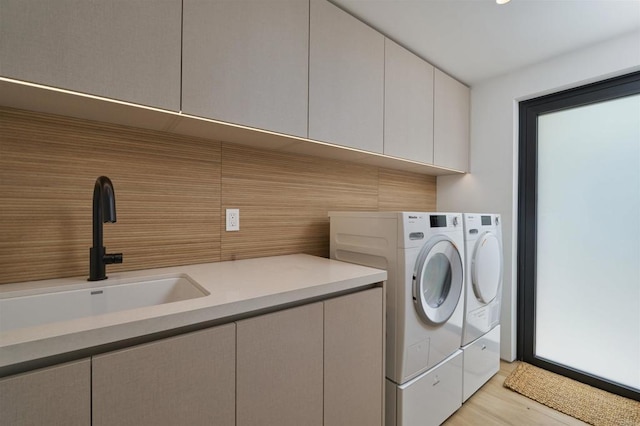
{"points": [[496, 405]]}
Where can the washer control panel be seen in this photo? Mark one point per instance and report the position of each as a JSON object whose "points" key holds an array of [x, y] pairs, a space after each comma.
{"points": [[445, 220]]}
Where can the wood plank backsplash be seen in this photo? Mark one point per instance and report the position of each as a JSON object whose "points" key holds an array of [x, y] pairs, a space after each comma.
{"points": [[171, 194]]}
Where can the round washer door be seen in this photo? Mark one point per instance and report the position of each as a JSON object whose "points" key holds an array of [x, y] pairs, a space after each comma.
{"points": [[486, 267], [437, 280]]}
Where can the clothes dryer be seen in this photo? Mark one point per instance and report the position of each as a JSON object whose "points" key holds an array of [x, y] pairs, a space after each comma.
{"points": [[483, 287], [423, 254]]}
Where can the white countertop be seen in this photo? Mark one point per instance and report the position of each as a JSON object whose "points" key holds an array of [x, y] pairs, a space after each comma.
{"points": [[235, 287]]}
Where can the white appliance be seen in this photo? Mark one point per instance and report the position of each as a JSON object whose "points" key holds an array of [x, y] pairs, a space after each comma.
{"points": [[483, 287], [424, 258]]}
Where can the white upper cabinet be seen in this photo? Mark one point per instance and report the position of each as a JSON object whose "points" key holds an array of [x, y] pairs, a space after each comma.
{"points": [[246, 62], [301, 68], [125, 50], [408, 105], [346, 79], [451, 123]]}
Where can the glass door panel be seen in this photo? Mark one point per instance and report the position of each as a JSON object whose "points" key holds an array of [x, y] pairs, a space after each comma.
{"points": [[587, 295]]}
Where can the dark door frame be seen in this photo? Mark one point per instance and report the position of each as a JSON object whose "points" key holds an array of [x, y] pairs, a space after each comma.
{"points": [[527, 198]]}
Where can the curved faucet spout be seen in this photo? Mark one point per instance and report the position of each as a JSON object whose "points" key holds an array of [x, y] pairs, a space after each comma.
{"points": [[104, 207], [103, 195], [104, 210]]}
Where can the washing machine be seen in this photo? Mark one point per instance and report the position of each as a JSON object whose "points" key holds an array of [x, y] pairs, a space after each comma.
{"points": [[483, 287], [423, 254]]}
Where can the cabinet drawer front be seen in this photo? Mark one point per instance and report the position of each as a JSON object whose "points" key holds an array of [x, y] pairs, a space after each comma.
{"points": [[481, 362], [431, 398]]}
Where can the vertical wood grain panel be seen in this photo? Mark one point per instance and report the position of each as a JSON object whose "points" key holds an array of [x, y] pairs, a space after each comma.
{"points": [[404, 191], [167, 196], [171, 192], [284, 200]]}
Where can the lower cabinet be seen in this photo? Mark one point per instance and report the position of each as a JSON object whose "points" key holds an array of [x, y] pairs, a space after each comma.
{"points": [[183, 380], [280, 368], [353, 362], [56, 396], [316, 364]]}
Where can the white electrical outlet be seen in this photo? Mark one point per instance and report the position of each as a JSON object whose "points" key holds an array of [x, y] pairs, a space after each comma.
{"points": [[233, 219]]}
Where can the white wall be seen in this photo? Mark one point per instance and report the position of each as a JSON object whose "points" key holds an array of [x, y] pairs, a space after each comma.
{"points": [[491, 185]]}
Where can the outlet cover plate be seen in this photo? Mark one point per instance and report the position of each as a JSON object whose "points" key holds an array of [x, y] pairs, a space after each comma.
{"points": [[233, 219]]}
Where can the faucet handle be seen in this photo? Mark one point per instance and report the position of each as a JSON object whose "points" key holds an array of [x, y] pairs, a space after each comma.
{"points": [[112, 258]]}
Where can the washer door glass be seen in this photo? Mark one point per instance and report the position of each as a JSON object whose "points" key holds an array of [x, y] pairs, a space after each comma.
{"points": [[486, 267], [437, 280]]}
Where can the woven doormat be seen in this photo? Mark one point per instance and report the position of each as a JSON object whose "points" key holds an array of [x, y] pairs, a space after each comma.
{"points": [[584, 402]]}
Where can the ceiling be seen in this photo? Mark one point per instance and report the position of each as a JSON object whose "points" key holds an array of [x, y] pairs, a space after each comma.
{"points": [[473, 40]]}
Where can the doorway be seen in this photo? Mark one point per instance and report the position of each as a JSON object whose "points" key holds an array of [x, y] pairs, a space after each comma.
{"points": [[579, 234]]}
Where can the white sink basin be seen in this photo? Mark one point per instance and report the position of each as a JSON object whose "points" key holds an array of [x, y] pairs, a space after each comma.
{"points": [[54, 306]]}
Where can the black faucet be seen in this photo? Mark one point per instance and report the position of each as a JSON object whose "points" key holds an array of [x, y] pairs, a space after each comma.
{"points": [[104, 210]]}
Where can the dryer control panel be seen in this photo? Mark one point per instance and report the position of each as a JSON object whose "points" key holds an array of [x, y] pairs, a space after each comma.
{"points": [[477, 223]]}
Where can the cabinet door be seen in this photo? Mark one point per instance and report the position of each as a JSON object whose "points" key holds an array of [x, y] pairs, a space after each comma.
{"points": [[280, 368], [346, 79], [353, 359], [451, 123], [246, 62], [127, 50], [183, 380], [57, 396], [408, 105]]}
